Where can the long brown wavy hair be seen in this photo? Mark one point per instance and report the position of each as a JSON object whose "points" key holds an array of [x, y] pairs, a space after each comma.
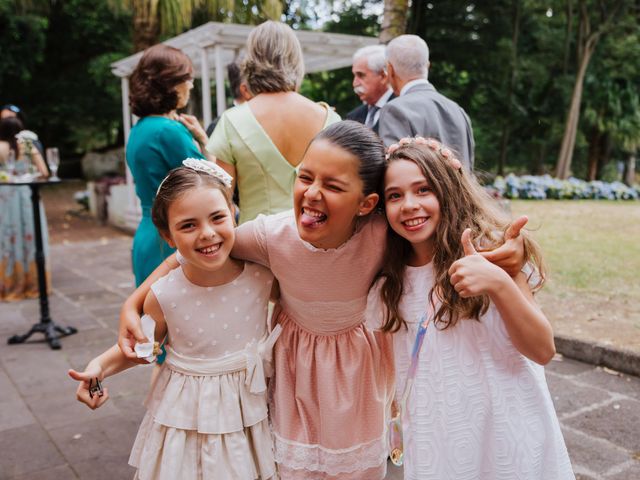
{"points": [[463, 204]]}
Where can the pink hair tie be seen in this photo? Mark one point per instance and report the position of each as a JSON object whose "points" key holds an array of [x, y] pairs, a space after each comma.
{"points": [[405, 141], [433, 144], [455, 163]]}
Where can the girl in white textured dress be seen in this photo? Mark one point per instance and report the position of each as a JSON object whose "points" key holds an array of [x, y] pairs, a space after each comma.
{"points": [[207, 410], [477, 405]]}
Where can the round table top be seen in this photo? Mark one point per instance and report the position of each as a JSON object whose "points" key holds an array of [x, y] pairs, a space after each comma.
{"points": [[33, 181]]}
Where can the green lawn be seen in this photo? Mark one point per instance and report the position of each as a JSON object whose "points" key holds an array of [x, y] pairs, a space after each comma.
{"points": [[592, 251]]}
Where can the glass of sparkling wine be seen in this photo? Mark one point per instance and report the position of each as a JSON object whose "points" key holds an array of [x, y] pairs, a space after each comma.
{"points": [[11, 163], [53, 160]]}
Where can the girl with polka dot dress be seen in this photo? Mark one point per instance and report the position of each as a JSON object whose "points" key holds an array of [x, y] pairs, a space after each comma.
{"points": [[207, 411]]}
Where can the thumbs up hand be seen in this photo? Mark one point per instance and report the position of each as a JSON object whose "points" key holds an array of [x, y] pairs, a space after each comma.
{"points": [[473, 275], [510, 256], [467, 244]]}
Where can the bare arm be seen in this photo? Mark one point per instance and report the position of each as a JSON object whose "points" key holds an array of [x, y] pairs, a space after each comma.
{"points": [[198, 133], [130, 329], [230, 169], [528, 327], [526, 324], [39, 162], [104, 365]]}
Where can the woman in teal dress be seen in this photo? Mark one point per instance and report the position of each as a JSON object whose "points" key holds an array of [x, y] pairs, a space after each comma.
{"points": [[159, 142], [261, 142]]}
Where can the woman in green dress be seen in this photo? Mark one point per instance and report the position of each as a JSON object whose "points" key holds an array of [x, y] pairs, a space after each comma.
{"points": [[261, 142], [159, 142]]}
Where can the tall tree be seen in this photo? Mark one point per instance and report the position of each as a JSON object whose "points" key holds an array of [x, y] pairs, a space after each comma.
{"points": [[595, 20], [394, 21], [152, 18]]}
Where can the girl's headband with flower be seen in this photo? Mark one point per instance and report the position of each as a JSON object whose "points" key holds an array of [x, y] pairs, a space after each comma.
{"points": [[432, 143], [206, 167], [210, 168]]}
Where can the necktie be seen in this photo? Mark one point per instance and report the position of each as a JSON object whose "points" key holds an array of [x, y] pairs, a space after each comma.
{"points": [[371, 116]]}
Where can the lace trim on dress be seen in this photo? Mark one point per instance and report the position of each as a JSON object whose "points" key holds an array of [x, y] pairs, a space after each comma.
{"points": [[300, 456]]}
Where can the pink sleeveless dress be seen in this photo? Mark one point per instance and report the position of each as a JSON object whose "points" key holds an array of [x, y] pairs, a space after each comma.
{"points": [[333, 377], [207, 411]]}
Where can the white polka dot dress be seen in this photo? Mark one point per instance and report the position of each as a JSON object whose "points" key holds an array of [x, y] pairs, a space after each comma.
{"points": [[208, 426]]}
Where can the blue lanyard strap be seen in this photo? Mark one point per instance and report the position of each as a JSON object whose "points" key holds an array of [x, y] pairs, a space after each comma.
{"points": [[415, 352]]}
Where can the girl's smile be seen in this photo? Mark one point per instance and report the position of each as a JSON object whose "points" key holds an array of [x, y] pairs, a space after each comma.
{"points": [[413, 210], [201, 228]]}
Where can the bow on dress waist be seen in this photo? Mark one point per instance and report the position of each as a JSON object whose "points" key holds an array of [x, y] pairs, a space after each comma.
{"points": [[253, 359]]}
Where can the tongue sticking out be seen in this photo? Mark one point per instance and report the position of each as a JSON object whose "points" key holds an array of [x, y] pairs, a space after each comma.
{"points": [[308, 221]]}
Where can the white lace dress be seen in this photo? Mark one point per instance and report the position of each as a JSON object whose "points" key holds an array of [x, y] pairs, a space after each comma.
{"points": [[207, 411], [478, 409]]}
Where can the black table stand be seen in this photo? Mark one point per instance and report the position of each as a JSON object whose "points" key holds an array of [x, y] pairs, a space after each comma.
{"points": [[52, 332]]}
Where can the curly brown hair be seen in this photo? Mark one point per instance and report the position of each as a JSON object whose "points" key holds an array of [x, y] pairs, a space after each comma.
{"points": [[153, 82], [463, 204]]}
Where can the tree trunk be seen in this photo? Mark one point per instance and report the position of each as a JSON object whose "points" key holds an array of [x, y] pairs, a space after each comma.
{"points": [[538, 163], [567, 40], [394, 21], [594, 154], [565, 156], [146, 24], [630, 170]]}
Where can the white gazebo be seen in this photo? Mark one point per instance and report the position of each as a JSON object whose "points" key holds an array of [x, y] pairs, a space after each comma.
{"points": [[211, 47]]}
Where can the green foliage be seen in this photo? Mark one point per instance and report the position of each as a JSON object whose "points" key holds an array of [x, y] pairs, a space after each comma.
{"points": [[335, 87], [68, 92], [524, 87], [22, 44], [56, 56]]}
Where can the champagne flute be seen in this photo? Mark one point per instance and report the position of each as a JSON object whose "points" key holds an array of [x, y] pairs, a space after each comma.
{"points": [[11, 163], [53, 160]]}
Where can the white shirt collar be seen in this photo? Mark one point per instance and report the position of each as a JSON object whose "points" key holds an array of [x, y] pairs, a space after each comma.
{"points": [[382, 101], [417, 81]]}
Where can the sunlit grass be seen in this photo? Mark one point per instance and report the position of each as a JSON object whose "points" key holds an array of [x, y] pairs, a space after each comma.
{"points": [[592, 251], [589, 246]]}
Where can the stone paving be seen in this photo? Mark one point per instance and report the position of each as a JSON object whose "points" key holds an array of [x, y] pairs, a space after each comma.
{"points": [[46, 434]]}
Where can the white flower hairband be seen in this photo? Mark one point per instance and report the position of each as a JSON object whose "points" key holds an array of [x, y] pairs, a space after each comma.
{"points": [[206, 167], [210, 168], [432, 143], [26, 135]]}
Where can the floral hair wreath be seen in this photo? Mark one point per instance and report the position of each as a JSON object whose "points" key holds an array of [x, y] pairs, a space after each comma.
{"points": [[432, 143], [206, 167]]}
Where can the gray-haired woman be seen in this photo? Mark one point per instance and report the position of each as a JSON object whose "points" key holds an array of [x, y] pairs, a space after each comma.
{"points": [[261, 142]]}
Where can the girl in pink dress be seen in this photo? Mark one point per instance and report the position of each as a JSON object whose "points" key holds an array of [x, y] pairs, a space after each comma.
{"points": [[477, 405], [207, 410], [333, 377]]}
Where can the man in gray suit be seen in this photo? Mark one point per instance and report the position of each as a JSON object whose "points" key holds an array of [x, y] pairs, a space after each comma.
{"points": [[370, 83], [419, 109]]}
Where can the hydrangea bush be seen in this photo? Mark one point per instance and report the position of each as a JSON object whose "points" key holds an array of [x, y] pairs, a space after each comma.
{"points": [[542, 187]]}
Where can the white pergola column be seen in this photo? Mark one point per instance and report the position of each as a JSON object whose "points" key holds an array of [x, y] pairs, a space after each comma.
{"points": [[221, 100], [206, 87], [132, 213]]}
